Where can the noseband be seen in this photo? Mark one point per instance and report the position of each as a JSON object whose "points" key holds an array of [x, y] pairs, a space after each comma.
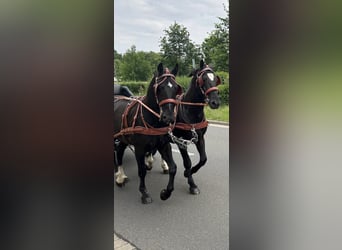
{"points": [[200, 81], [162, 79]]}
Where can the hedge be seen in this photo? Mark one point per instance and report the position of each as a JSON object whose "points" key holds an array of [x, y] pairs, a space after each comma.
{"points": [[224, 93], [140, 88], [224, 77]]}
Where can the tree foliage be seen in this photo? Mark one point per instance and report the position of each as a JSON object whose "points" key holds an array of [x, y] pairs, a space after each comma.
{"points": [[176, 47], [216, 46], [136, 65], [133, 66], [117, 61], [117, 55]]}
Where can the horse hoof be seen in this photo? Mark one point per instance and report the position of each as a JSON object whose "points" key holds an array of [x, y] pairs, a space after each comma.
{"points": [[165, 171], [149, 167], [164, 194], [194, 190], [146, 200], [120, 184]]}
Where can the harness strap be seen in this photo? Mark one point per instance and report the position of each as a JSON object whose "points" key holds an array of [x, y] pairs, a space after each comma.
{"points": [[193, 103], [143, 130], [187, 126], [210, 90], [140, 102], [169, 100], [147, 129]]}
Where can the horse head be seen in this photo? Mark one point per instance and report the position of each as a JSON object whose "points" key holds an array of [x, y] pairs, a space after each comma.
{"points": [[165, 90], [207, 82]]}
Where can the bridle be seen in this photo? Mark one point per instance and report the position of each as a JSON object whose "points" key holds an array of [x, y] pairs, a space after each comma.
{"points": [[200, 81], [160, 80]]}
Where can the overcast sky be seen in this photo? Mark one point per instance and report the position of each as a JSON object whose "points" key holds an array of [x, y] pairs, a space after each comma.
{"points": [[142, 22]]}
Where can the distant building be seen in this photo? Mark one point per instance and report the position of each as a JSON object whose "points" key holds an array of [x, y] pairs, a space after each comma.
{"points": [[115, 80]]}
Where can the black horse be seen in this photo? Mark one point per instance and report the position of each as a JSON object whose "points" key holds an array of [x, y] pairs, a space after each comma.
{"points": [[145, 124], [191, 124]]}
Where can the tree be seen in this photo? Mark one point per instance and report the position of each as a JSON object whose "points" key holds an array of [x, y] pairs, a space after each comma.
{"points": [[216, 46], [134, 66], [117, 61], [117, 55], [176, 47], [153, 58]]}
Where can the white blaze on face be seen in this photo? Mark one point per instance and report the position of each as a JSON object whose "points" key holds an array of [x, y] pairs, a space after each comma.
{"points": [[170, 85], [211, 76]]}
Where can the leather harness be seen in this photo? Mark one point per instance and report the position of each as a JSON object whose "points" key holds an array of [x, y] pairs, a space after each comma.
{"points": [[147, 129], [132, 129]]}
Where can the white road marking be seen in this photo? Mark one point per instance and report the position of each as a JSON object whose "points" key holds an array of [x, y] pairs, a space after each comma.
{"points": [[177, 151]]}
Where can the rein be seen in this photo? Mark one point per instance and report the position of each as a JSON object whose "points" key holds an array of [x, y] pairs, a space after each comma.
{"points": [[139, 101], [147, 129]]}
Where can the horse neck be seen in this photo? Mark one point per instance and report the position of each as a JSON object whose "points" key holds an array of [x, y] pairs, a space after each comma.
{"points": [[150, 101], [193, 94]]}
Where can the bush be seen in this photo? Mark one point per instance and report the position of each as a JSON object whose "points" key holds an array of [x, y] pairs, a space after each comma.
{"points": [[140, 88], [224, 77], [184, 81], [224, 93]]}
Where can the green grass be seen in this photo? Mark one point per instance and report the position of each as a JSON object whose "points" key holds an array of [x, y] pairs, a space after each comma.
{"points": [[220, 114]]}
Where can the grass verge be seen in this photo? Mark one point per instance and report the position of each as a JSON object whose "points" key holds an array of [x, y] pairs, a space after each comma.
{"points": [[220, 114]]}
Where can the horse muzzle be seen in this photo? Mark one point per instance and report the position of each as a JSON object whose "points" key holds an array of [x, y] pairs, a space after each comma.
{"points": [[214, 104]]}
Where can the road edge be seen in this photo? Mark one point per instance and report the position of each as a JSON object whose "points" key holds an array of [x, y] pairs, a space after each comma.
{"points": [[123, 243], [218, 122]]}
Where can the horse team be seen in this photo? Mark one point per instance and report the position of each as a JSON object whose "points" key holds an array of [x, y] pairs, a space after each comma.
{"points": [[165, 115]]}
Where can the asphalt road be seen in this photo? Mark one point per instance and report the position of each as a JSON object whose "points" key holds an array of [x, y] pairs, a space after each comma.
{"points": [[184, 221]]}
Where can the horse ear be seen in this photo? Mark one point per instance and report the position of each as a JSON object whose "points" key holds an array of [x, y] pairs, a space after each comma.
{"points": [[180, 90], [160, 69], [201, 64], [175, 70]]}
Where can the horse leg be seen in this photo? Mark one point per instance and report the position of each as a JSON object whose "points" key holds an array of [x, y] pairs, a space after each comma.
{"points": [[164, 166], [187, 172], [166, 154], [200, 145], [140, 157], [120, 176], [149, 161]]}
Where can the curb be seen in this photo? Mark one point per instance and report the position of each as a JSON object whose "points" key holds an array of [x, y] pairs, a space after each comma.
{"points": [[121, 244], [218, 122]]}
